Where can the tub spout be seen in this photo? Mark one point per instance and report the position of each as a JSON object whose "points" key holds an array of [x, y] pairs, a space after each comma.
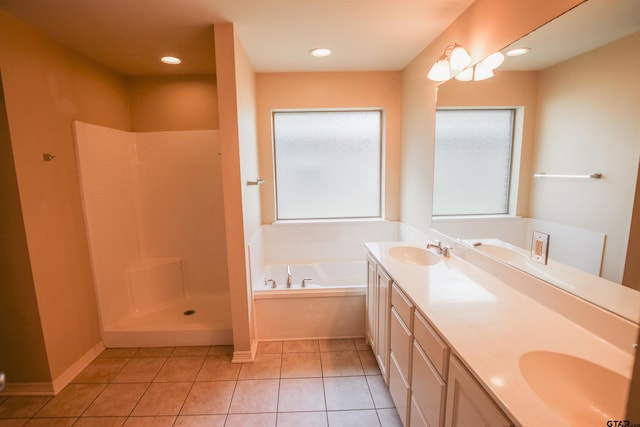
{"points": [[288, 276], [304, 282]]}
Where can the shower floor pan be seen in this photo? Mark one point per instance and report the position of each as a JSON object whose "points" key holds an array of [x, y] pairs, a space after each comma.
{"points": [[198, 320]]}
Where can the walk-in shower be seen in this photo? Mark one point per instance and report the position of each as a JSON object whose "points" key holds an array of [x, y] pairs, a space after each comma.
{"points": [[155, 225]]}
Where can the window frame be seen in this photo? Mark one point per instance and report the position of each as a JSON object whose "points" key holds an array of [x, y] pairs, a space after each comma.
{"points": [[515, 153], [380, 164]]}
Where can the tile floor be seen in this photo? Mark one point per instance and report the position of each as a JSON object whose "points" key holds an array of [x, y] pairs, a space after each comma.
{"points": [[292, 383]]}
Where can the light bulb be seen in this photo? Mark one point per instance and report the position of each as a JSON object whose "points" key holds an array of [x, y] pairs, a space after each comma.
{"points": [[440, 71], [459, 58], [465, 75], [494, 60], [482, 72]]}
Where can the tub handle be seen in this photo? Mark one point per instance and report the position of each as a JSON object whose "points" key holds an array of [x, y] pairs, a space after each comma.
{"points": [[304, 285], [273, 283]]}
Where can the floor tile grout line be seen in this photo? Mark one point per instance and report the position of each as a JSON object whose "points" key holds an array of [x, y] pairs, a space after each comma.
{"points": [[192, 383]]}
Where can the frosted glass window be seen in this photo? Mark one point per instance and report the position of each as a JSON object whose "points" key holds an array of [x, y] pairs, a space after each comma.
{"points": [[327, 164], [472, 167]]}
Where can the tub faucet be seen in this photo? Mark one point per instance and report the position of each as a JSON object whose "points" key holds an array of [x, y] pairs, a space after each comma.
{"points": [[288, 276]]}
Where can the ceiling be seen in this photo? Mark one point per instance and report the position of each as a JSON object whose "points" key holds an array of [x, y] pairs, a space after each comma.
{"points": [[591, 24], [129, 36]]}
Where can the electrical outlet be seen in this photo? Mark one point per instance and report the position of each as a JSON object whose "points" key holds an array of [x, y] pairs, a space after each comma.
{"points": [[540, 247]]}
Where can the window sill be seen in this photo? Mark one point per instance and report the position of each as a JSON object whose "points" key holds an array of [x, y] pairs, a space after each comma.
{"points": [[462, 218], [327, 221]]}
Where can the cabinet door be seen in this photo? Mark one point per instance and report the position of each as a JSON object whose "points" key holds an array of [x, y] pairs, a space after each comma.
{"points": [[372, 299], [429, 390], [399, 390], [468, 405], [383, 283], [417, 417]]}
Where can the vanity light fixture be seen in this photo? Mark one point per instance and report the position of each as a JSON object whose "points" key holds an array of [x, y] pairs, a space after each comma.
{"points": [[320, 52], [466, 75], [171, 60], [482, 70], [476, 73], [457, 60], [494, 60]]}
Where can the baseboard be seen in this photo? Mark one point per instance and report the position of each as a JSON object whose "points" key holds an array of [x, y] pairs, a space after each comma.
{"points": [[53, 388], [28, 389], [73, 370], [247, 356]]}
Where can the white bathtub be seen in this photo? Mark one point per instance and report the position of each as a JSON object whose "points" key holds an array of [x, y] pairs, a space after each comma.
{"points": [[322, 274], [332, 305]]}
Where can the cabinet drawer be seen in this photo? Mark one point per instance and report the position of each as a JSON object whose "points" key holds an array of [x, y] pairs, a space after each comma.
{"points": [[429, 389], [434, 347], [399, 390], [403, 306], [401, 344]]}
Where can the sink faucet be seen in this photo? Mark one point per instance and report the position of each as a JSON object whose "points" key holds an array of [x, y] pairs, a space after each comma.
{"points": [[288, 276], [444, 251]]}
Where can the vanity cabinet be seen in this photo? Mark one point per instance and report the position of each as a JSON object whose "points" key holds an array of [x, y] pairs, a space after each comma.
{"points": [[401, 339], [430, 367], [378, 312], [429, 386], [468, 405], [371, 302]]}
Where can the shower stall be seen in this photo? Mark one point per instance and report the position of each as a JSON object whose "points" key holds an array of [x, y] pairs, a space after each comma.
{"points": [[155, 225]]}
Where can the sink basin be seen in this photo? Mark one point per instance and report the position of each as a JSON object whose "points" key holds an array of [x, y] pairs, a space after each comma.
{"points": [[502, 253], [414, 256], [580, 391]]}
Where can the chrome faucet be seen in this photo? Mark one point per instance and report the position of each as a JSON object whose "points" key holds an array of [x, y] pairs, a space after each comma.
{"points": [[444, 251], [289, 280]]}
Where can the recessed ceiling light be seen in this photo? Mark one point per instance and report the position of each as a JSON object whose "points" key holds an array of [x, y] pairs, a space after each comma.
{"points": [[518, 51], [170, 60], [320, 52]]}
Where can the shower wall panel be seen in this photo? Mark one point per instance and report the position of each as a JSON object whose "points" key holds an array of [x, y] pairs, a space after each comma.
{"points": [[180, 207], [106, 180], [151, 196]]}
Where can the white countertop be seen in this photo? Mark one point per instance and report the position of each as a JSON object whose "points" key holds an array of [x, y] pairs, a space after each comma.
{"points": [[490, 325]]}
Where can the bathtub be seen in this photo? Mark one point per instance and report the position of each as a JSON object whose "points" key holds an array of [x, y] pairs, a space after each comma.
{"points": [[331, 305]]}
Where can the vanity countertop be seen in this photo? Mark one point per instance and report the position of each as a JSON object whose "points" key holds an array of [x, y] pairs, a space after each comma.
{"points": [[490, 325]]}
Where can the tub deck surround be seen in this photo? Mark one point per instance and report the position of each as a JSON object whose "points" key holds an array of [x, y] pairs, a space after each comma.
{"points": [[490, 325]]}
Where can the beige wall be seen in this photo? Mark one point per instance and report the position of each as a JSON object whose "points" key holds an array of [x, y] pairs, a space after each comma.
{"points": [[330, 90], [486, 26], [24, 360], [588, 122], [506, 89], [166, 103], [235, 100], [46, 87]]}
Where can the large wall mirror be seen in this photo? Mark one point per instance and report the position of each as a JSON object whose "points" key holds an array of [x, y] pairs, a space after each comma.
{"points": [[572, 170]]}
